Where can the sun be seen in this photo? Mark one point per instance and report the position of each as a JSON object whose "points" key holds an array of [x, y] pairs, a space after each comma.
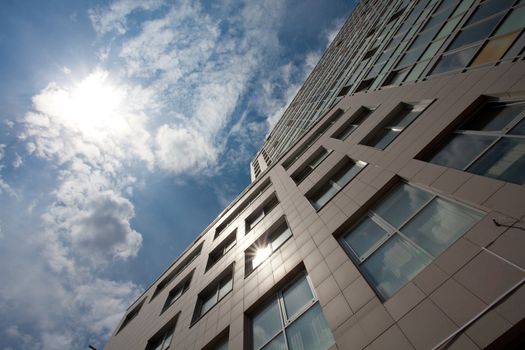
{"points": [[95, 105]]}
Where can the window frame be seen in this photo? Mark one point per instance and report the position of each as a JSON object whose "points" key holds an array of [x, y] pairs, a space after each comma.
{"points": [[213, 289], [351, 125], [498, 135], [131, 315], [328, 181], [398, 114], [299, 175], [168, 330], [391, 231], [227, 244], [286, 321], [476, 47], [266, 239], [183, 286], [261, 212]]}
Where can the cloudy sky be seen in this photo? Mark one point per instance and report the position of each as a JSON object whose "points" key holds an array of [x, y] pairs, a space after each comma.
{"points": [[125, 128]]}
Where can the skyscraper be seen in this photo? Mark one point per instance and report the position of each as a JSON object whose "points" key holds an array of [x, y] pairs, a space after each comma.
{"points": [[387, 205]]}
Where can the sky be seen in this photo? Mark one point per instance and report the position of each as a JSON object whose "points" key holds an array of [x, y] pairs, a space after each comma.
{"points": [[125, 128]]}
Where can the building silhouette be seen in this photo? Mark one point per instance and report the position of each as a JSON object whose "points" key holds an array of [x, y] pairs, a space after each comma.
{"points": [[387, 205]]}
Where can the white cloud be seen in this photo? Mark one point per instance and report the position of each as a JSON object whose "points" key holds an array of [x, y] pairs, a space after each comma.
{"points": [[4, 186], [96, 120], [93, 132], [201, 72], [114, 18], [17, 162], [183, 150]]}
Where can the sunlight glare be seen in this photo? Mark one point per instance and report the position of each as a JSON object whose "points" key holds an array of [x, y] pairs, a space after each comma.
{"points": [[260, 255], [94, 105]]}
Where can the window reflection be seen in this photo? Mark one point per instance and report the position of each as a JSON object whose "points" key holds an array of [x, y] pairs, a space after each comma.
{"points": [[310, 331], [439, 224], [293, 311], [461, 150], [504, 161], [296, 297], [489, 144], [393, 265], [365, 236], [389, 255], [455, 60], [266, 324], [475, 33], [348, 170]]}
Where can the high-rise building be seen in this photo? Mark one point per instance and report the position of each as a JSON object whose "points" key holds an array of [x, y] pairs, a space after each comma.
{"points": [[388, 204]]}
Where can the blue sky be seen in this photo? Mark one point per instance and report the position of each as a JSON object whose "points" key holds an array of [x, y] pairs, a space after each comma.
{"points": [[125, 128]]}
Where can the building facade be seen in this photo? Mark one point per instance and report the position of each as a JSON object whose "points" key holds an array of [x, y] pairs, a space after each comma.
{"points": [[394, 219]]}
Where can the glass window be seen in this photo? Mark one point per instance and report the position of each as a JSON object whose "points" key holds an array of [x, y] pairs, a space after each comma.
{"points": [[348, 170], [513, 22], [222, 345], [162, 341], [221, 250], [310, 331], [317, 158], [487, 144], [461, 150], [425, 37], [177, 292], [401, 203], [475, 33], [448, 28], [296, 297], [213, 294], [394, 124], [505, 161], [208, 302], [519, 129], [364, 237], [432, 49], [266, 245], [294, 312], [314, 137], [278, 343], [516, 48], [494, 49], [266, 324], [261, 213], [353, 123], [416, 71], [455, 60], [394, 264], [403, 233], [439, 18], [439, 224], [489, 8], [131, 315], [463, 6], [396, 77], [277, 239]]}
